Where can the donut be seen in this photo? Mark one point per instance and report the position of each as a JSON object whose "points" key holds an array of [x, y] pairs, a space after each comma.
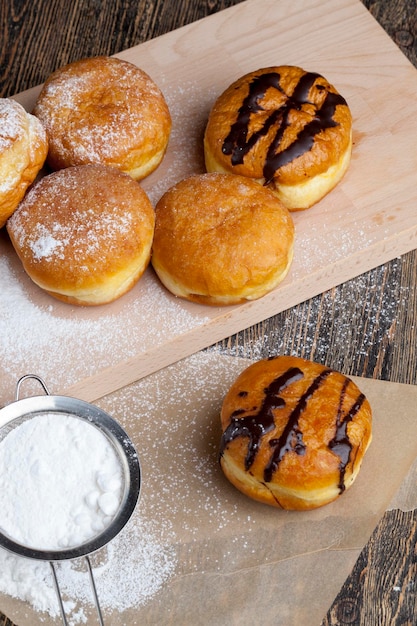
{"points": [[221, 239], [294, 433], [103, 110], [287, 128], [84, 233], [23, 150]]}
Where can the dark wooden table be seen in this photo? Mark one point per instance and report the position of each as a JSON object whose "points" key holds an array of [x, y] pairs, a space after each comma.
{"points": [[37, 36]]}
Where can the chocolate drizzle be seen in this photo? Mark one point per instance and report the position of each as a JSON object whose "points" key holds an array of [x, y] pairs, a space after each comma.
{"points": [[292, 437], [340, 444], [255, 425], [238, 143]]}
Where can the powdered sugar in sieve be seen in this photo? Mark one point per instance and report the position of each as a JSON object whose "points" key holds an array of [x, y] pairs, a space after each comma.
{"points": [[70, 480]]}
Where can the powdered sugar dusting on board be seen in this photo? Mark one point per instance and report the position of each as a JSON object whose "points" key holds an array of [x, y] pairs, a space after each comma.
{"points": [[366, 314], [64, 349], [186, 141], [67, 347]]}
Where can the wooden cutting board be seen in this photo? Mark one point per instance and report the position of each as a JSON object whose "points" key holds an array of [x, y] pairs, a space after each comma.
{"points": [[367, 220]]}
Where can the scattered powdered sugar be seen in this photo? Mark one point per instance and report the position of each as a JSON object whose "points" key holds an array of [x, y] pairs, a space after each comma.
{"points": [[135, 565], [27, 580], [65, 344], [185, 154], [127, 573], [174, 425], [45, 506], [175, 414], [191, 526], [347, 327]]}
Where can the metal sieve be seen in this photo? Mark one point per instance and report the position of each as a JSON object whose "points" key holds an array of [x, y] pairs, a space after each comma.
{"points": [[14, 414]]}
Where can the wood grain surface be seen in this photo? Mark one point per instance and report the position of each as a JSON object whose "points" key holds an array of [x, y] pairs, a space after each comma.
{"points": [[365, 327], [367, 220]]}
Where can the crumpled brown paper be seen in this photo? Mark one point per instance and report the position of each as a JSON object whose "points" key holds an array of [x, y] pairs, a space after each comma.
{"points": [[238, 561]]}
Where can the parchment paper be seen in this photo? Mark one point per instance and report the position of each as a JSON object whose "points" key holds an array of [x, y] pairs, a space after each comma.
{"points": [[236, 559]]}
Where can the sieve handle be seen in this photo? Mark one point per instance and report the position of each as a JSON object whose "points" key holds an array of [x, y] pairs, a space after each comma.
{"points": [[93, 588], [26, 377], [58, 594]]}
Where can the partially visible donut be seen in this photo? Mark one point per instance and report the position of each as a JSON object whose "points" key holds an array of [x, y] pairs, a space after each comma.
{"points": [[287, 128], [84, 233], [23, 150], [104, 110]]}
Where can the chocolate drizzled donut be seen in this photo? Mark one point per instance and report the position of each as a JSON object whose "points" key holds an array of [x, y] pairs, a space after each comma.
{"points": [[294, 432], [288, 128]]}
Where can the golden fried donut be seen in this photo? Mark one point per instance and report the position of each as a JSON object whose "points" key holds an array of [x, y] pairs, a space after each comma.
{"points": [[286, 128], [23, 149], [294, 433], [221, 239], [84, 233], [106, 111]]}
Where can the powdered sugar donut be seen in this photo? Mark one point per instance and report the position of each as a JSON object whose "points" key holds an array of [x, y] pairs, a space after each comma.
{"points": [[23, 150], [84, 233], [106, 111]]}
